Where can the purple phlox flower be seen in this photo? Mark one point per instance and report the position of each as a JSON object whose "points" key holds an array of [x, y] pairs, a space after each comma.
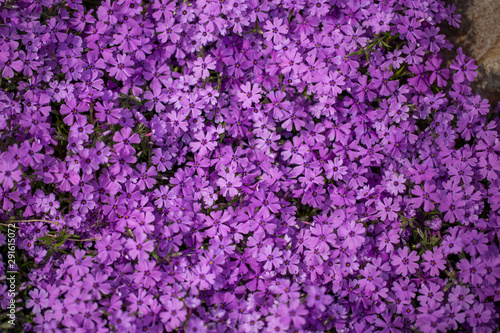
{"points": [[479, 315], [39, 300], [277, 104], [353, 234], [121, 161], [203, 65], [438, 74], [434, 262], [311, 177], [203, 278], [371, 278], [381, 81], [425, 196], [30, 62], [271, 257], [139, 246], [461, 296], [29, 153], [229, 183], [453, 205], [249, 94], [169, 30], [78, 265], [121, 67], [139, 302], [267, 202], [478, 105], [146, 177], [335, 169], [256, 243], [106, 112], [409, 28], [430, 292], [332, 83], [72, 108], [465, 67], [108, 248], [204, 142], [387, 239], [354, 37], [174, 314], [357, 172], [399, 112], [322, 236], [420, 79], [414, 54], [387, 209], [290, 263], [489, 166], [388, 324], [275, 29], [292, 62], [162, 159], [217, 223], [96, 284], [349, 264], [84, 202], [404, 261], [454, 314], [476, 243], [11, 64], [142, 222], [395, 183], [163, 9], [210, 95], [127, 38], [81, 128], [380, 21], [404, 288], [163, 196], [9, 172], [316, 298], [156, 96]]}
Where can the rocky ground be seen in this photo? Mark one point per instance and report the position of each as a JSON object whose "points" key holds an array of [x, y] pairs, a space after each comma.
{"points": [[479, 35]]}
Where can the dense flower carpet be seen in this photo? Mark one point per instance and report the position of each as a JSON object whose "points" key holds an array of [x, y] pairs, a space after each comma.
{"points": [[244, 166]]}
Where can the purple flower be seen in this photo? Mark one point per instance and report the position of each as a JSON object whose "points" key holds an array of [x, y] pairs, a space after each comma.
{"points": [[465, 67], [434, 262], [203, 65], [120, 68], [249, 95], [271, 257], [405, 261], [387, 209], [430, 293], [409, 29], [317, 299], [387, 239], [453, 206], [39, 300], [425, 196], [275, 30], [78, 265], [229, 184], [472, 271], [139, 246], [353, 234]]}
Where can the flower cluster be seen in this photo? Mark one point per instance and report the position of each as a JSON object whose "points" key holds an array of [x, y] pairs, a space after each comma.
{"points": [[246, 166]]}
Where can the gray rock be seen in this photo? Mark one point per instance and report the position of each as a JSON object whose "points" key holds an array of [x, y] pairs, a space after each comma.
{"points": [[479, 36]]}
